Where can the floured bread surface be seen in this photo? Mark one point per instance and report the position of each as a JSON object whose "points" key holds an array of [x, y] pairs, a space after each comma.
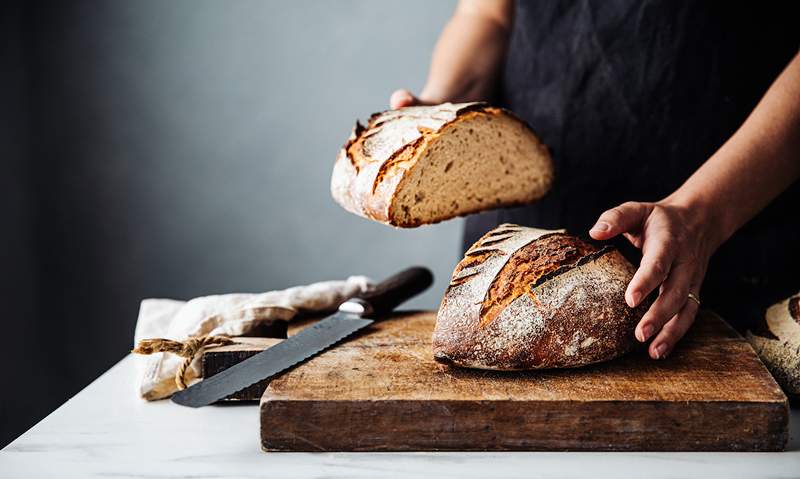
{"points": [[421, 165], [524, 298], [777, 342]]}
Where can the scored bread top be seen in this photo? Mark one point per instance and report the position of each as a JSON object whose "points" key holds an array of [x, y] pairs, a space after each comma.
{"points": [[377, 158], [525, 298], [387, 132]]}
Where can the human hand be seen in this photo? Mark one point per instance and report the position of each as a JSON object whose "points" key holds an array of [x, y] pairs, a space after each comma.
{"points": [[468, 57], [402, 98], [677, 241]]}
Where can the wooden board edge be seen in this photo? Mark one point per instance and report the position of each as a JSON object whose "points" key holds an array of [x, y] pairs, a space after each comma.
{"points": [[290, 425], [767, 374], [218, 359]]}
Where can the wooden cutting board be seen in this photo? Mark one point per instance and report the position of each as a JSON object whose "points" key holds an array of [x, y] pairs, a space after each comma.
{"points": [[382, 391]]}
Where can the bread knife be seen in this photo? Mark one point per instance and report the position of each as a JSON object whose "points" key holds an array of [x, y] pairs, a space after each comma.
{"points": [[353, 315]]}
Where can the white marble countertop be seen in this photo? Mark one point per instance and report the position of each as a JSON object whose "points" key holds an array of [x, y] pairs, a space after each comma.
{"points": [[106, 431]]}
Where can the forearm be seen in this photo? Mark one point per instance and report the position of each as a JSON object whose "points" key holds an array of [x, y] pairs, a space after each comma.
{"points": [[470, 52], [755, 165]]}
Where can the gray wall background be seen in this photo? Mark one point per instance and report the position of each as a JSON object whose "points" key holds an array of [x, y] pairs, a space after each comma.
{"points": [[183, 148]]}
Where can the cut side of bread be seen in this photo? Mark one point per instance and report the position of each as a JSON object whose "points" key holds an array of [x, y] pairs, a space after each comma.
{"points": [[777, 342], [525, 298], [422, 165]]}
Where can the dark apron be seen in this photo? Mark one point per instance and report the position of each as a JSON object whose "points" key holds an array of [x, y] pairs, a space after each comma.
{"points": [[632, 97]]}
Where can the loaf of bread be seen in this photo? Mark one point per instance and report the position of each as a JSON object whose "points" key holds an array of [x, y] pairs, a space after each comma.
{"points": [[524, 298], [421, 165], [777, 342]]}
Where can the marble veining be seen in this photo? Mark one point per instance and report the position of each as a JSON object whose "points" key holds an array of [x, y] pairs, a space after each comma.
{"points": [[106, 431]]}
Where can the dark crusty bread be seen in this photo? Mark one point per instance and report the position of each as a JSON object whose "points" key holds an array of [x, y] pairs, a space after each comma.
{"points": [[524, 298], [421, 165], [777, 342]]}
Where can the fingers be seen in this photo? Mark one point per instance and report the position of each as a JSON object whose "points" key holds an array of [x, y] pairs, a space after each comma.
{"points": [[635, 239], [673, 331], [674, 257], [402, 98], [673, 297], [659, 251], [627, 217]]}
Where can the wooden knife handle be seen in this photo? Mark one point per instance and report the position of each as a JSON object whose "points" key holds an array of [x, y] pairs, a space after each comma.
{"points": [[389, 293]]}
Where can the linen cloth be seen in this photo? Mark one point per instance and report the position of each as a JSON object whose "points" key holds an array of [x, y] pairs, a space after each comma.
{"points": [[227, 314]]}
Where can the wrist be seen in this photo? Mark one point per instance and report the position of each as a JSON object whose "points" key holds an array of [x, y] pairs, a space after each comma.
{"points": [[702, 213]]}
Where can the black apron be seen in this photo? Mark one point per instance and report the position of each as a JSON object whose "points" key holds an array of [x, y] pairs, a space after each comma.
{"points": [[632, 97]]}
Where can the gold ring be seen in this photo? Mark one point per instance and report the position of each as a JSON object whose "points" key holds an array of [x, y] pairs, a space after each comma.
{"points": [[694, 298]]}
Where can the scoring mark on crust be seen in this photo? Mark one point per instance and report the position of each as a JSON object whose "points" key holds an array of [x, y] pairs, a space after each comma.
{"points": [[794, 308], [563, 269], [355, 134], [395, 138], [482, 250], [497, 239], [476, 255], [489, 245], [462, 279], [473, 259], [398, 160], [503, 229], [529, 265]]}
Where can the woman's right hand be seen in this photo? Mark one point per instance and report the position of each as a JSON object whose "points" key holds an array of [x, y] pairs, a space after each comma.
{"points": [[468, 56], [402, 98]]}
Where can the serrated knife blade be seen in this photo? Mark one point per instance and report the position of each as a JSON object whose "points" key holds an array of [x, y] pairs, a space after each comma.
{"points": [[294, 350], [310, 341]]}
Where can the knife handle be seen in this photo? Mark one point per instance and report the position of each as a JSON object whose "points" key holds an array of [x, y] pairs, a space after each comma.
{"points": [[394, 290]]}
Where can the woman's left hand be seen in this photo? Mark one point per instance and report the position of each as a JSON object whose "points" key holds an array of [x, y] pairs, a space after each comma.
{"points": [[679, 234], [677, 242]]}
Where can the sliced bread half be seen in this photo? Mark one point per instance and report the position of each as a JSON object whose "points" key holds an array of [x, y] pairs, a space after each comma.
{"points": [[421, 165]]}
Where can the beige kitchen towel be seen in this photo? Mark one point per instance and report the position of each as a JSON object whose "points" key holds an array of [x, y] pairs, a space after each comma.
{"points": [[227, 315]]}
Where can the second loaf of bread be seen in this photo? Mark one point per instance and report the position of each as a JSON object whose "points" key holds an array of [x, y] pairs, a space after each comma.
{"points": [[525, 298]]}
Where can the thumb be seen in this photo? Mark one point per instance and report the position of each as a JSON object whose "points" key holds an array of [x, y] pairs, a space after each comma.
{"points": [[625, 218], [401, 98]]}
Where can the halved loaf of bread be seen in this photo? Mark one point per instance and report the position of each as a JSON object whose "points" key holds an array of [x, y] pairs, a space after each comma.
{"points": [[420, 165], [524, 298], [777, 342]]}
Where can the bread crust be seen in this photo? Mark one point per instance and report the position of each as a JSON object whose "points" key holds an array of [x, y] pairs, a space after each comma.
{"points": [[377, 158], [570, 316], [777, 342]]}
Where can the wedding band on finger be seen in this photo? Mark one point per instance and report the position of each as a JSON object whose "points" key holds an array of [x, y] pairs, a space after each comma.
{"points": [[694, 298]]}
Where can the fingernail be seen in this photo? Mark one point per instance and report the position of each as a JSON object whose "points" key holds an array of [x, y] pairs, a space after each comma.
{"points": [[635, 298], [661, 351], [647, 330], [601, 227]]}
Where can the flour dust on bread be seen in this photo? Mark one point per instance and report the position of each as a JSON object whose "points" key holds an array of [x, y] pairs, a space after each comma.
{"points": [[777, 342], [525, 298], [421, 165]]}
